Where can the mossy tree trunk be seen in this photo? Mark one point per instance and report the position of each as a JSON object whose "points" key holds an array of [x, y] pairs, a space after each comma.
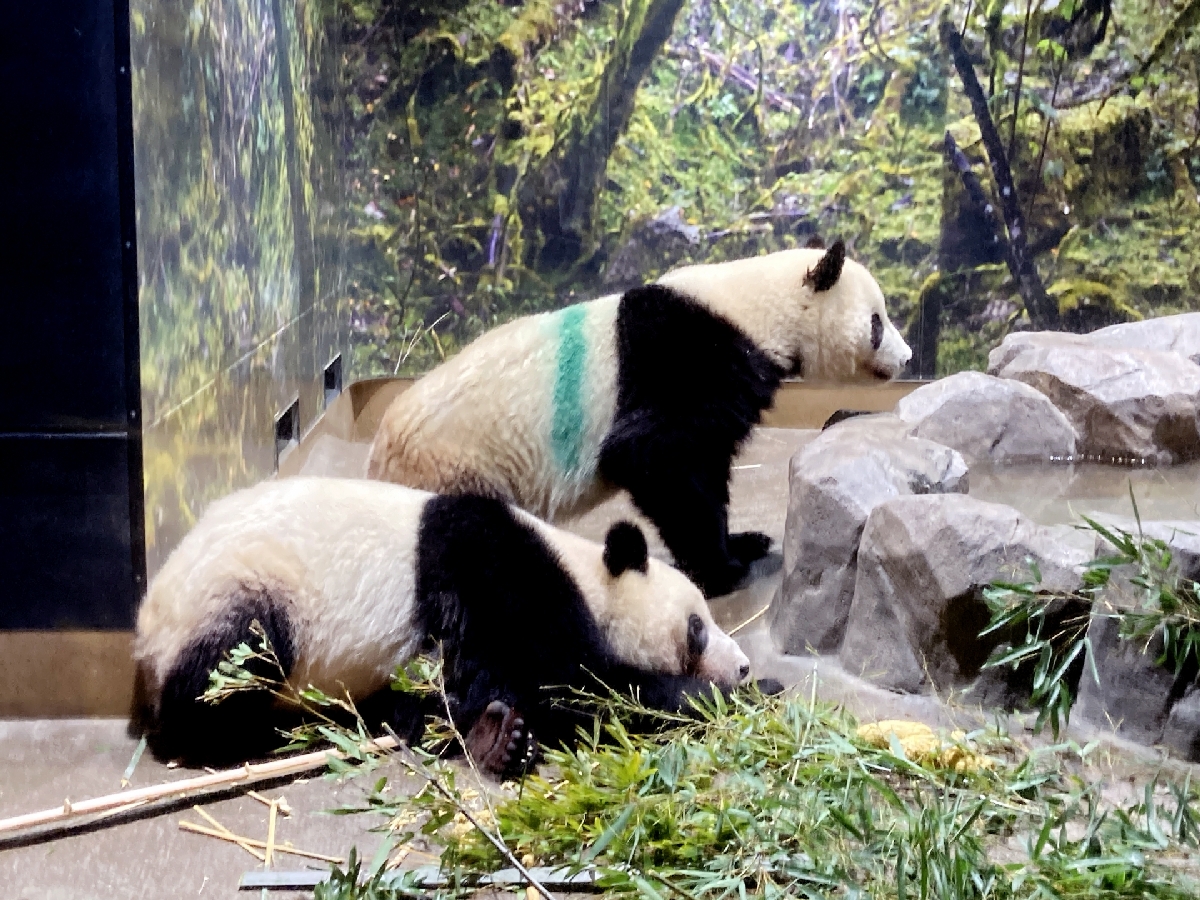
{"points": [[569, 211]]}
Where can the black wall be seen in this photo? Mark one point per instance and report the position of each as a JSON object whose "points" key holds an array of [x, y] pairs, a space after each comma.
{"points": [[71, 532]]}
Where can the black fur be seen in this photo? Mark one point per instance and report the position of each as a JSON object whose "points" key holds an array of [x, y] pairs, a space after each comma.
{"points": [[690, 387], [876, 331], [625, 549], [186, 728], [513, 625], [248, 724], [697, 637], [828, 269]]}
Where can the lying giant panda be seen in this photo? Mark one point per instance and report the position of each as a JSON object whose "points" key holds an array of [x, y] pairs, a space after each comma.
{"points": [[653, 391], [349, 578]]}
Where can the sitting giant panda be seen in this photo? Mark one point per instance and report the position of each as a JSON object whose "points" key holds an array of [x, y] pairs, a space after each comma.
{"points": [[349, 579], [653, 391]]}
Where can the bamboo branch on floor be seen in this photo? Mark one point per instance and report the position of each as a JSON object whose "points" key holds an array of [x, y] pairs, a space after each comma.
{"points": [[250, 773]]}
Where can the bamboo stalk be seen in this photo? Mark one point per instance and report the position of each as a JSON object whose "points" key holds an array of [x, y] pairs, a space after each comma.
{"points": [[247, 774], [241, 842], [238, 839], [268, 856]]}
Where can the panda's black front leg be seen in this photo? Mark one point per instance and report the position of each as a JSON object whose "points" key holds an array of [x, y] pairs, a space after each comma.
{"points": [[689, 509], [685, 493]]}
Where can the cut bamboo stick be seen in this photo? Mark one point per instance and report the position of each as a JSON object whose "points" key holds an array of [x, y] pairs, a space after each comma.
{"points": [[247, 774], [238, 839], [271, 817], [241, 842]]}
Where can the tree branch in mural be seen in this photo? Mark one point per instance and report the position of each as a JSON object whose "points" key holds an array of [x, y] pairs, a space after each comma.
{"points": [[567, 225], [1041, 308]]}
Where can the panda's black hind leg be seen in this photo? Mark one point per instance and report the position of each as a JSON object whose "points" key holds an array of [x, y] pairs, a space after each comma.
{"points": [[246, 724], [499, 743]]}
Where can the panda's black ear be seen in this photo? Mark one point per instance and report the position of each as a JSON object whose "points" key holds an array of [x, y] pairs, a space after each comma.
{"points": [[625, 549], [816, 242], [828, 269]]}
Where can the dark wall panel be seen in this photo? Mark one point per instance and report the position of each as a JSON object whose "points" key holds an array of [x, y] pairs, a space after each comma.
{"points": [[69, 430]]}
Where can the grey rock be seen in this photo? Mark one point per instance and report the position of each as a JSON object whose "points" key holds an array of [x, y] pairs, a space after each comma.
{"points": [[1175, 334], [1134, 695], [653, 247], [923, 562], [1122, 402], [988, 419], [835, 481], [1181, 735], [1020, 341]]}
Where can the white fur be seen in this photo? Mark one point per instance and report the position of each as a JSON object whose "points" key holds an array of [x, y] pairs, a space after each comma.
{"points": [[344, 552], [484, 417], [487, 414], [829, 330], [645, 615]]}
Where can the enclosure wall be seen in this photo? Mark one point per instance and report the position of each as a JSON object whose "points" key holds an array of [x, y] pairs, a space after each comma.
{"points": [[239, 202], [70, 507]]}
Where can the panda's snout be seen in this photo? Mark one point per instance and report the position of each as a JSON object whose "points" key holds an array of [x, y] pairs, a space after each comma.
{"points": [[743, 671]]}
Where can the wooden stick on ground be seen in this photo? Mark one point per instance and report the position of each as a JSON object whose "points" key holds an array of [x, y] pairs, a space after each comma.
{"points": [[241, 842], [247, 774], [271, 817], [238, 839]]}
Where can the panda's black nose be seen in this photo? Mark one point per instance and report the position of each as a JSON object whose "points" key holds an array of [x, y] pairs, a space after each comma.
{"points": [[743, 671]]}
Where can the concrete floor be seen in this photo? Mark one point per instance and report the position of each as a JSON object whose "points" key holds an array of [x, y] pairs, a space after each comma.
{"points": [[50, 761]]}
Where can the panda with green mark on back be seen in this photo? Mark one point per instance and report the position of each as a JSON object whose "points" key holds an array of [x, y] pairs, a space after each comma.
{"points": [[652, 391]]}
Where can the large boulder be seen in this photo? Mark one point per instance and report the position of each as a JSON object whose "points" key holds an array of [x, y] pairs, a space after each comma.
{"points": [[1175, 334], [835, 481], [1020, 341], [918, 603], [988, 419], [1124, 403], [1130, 692]]}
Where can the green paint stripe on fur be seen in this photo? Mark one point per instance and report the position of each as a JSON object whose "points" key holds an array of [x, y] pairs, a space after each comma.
{"points": [[566, 431]]}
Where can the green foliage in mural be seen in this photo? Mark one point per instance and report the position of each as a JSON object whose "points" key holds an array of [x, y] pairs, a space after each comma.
{"points": [[756, 126]]}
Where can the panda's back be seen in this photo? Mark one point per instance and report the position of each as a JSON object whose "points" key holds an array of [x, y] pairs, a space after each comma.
{"points": [[519, 414], [338, 556]]}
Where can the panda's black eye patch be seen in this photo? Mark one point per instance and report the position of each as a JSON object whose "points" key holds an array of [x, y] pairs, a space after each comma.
{"points": [[697, 636], [876, 331]]}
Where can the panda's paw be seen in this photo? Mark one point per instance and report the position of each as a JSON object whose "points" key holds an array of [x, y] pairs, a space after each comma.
{"points": [[499, 742], [748, 546], [769, 687]]}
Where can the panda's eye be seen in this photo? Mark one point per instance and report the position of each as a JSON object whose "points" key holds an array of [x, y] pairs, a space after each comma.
{"points": [[697, 636], [876, 331]]}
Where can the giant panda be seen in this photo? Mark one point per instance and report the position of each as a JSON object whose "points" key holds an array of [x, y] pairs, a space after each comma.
{"points": [[652, 391], [350, 578]]}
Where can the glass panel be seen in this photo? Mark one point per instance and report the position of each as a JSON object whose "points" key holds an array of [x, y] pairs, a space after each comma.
{"points": [[237, 120]]}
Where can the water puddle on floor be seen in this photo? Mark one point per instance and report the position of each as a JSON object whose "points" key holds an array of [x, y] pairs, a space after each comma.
{"points": [[1059, 494]]}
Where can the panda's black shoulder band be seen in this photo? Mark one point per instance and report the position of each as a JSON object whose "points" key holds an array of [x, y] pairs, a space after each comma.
{"points": [[625, 549], [828, 269]]}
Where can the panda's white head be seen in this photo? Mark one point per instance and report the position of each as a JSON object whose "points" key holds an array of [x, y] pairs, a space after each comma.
{"points": [[813, 311], [656, 618]]}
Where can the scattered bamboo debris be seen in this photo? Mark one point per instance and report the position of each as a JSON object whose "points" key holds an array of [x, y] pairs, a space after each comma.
{"points": [[754, 618], [241, 842], [281, 802], [225, 835], [272, 816], [127, 775], [249, 773], [428, 877]]}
